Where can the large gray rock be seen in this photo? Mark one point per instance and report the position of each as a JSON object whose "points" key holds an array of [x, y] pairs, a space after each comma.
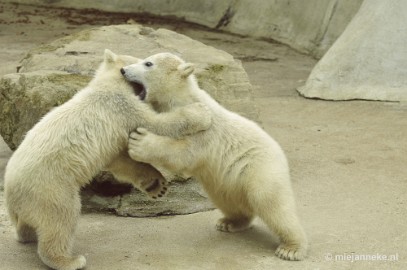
{"points": [[51, 74], [369, 60], [26, 97]]}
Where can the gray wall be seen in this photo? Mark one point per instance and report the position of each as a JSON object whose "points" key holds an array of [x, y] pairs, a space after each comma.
{"points": [[309, 26]]}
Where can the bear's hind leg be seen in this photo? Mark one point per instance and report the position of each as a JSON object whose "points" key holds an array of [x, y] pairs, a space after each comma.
{"points": [[25, 233], [277, 210], [54, 247], [56, 230], [234, 223], [234, 219]]}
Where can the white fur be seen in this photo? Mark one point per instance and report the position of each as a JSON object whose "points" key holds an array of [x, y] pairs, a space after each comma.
{"points": [[70, 145], [242, 168]]}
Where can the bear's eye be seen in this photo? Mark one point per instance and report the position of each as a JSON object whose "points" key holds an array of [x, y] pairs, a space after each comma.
{"points": [[148, 64]]}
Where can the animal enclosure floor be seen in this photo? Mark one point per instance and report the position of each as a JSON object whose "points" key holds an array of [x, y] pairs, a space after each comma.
{"points": [[347, 159]]}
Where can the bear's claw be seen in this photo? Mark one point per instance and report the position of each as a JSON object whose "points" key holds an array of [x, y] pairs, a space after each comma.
{"points": [[290, 253], [157, 189], [141, 144]]}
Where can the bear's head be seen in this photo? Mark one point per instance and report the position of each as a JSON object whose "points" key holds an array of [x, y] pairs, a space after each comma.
{"points": [[164, 78], [108, 73]]}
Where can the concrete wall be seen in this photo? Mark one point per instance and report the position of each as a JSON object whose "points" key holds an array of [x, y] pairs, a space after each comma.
{"points": [[309, 26]]}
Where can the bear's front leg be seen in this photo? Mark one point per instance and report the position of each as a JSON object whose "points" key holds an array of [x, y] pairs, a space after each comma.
{"points": [[160, 151], [142, 176], [198, 117], [180, 122], [145, 146]]}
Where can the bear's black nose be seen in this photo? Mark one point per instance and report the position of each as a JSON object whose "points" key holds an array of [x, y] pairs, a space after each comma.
{"points": [[122, 71]]}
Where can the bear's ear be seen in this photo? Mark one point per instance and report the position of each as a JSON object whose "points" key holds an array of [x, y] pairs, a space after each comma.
{"points": [[109, 56], [186, 69]]}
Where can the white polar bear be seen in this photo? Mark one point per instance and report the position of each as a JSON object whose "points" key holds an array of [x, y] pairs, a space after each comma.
{"points": [[71, 144], [242, 168]]}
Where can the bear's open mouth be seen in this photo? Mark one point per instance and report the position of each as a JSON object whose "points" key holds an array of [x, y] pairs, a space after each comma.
{"points": [[139, 89]]}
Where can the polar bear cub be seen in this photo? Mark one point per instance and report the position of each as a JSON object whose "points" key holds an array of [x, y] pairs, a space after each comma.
{"points": [[243, 170], [71, 144]]}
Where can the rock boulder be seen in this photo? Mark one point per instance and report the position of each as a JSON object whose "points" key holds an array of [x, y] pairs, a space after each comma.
{"points": [[50, 74], [368, 61]]}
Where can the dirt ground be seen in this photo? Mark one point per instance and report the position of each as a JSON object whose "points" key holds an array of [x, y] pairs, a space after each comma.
{"points": [[348, 163]]}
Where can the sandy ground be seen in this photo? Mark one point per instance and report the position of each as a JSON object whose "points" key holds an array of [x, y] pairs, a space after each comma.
{"points": [[348, 162]]}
